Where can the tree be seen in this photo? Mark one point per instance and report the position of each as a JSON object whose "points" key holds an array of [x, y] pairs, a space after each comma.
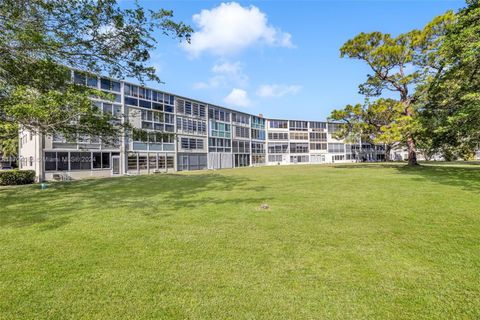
{"points": [[398, 65], [451, 108], [390, 59], [41, 39], [377, 122]]}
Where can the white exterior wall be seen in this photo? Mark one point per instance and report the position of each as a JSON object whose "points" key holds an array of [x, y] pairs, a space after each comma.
{"points": [[30, 155], [33, 148]]}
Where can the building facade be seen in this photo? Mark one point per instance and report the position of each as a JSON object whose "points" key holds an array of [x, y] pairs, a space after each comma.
{"points": [[179, 133]]}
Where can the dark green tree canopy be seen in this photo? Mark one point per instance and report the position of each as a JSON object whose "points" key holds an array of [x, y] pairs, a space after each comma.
{"points": [[451, 107], [41, 39]]}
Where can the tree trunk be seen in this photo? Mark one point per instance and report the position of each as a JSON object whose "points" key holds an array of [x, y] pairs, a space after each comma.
{"points": [[412, 154], [388, 149]]}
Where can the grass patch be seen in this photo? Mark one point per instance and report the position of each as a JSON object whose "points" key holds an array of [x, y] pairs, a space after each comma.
{"points": [[373, 241]]}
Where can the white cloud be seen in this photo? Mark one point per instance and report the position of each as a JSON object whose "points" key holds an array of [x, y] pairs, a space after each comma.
{"points": [[225, 74], [238, 98], [230, 28], [277, 90]]}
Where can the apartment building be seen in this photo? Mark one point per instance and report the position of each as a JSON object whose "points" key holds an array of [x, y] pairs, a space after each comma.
{"points": [[175, 133]]}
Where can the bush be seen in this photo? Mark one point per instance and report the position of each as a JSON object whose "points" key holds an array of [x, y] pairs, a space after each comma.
{"points": [[16, 177]]}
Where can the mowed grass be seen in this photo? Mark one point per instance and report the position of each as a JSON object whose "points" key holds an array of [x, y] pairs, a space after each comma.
{"points": [[374, 241]]}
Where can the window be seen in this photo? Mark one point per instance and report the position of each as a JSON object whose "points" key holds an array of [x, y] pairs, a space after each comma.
{"points": [[107, 84], [298, 159], [318, 146], [242, 132], [105, 160], [132, 162], [258, 147], [97, 160], [219, 114], [145, 104], [277, 147], [278, 136], [298, 125], [218, 129], [275, 158], [108, 108], [240, 118], [258, 159], [188, 125], [318, 136], [50, 161], [142, 162], [157, 96], [219, 145], [298, 136], [131, 101], [299, 147], [278, 124], [152, 161], [92, 81], [334, 127], [80, 161], [318, 126], [170, 162], [101, 160], [191, 143], [239, 146], [258, 123], [131, 90], [338, 157], [336, 148], [79, 78], [62, 161], [258, 134]]}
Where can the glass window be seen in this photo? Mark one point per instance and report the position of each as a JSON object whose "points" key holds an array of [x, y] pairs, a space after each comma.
{"points": [[157, 106], [79, 78], [92, 82], [105, 160], [170, 162], [80, 160], [97, 160], [115, 86], [62, 161], [131, 101], [132, 162], [105, 84], [145, 104], [152, 161], [107, 108], [142, 162], [50, 161]]}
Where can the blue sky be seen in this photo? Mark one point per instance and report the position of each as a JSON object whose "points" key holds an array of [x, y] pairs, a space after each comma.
{"points": [[279, 58]]}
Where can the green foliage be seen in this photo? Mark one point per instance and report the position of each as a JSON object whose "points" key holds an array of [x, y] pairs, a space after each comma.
{"points": [[40, 38], [16, 177], [8, 139], [399, 64], [451, 108]]}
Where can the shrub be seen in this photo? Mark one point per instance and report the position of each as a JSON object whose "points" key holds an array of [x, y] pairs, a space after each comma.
{"points": [[16, 177]]}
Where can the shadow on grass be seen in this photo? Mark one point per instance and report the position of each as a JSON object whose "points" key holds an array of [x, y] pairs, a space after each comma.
{"points": [[460, 175], [150, 195]]}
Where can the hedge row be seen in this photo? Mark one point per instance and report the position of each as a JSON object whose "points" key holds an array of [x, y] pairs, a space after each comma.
{"points": [[15, 177]]}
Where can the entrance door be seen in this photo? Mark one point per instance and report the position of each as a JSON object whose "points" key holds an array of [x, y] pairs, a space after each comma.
{"points": [[115, 165]]}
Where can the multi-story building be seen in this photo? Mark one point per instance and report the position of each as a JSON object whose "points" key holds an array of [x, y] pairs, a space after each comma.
{"points": [[175, 133]]}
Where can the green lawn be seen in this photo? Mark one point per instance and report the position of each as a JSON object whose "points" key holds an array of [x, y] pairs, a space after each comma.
{"points": [[338, 242]]}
